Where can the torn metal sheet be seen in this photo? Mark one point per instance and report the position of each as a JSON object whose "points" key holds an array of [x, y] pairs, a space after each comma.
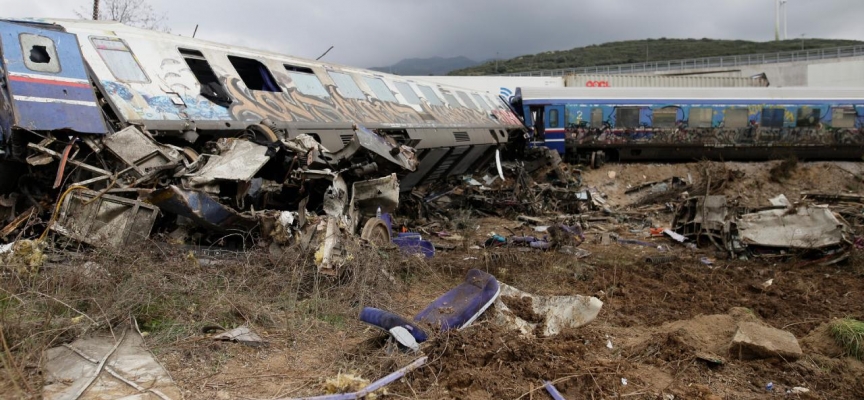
{"points": [[365, 142], [805, 228], [330, 255], [200, 208], [140, 152], [703, 216], [105, 367], [104, 220], [372, 196], [558, 312], [239, 160], [303, 144]]}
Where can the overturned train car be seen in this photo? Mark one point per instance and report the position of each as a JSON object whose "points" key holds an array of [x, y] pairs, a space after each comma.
{"points": [[633, 124], [213, 132]]}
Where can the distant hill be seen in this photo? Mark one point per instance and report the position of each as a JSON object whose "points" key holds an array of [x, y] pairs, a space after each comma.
{"points": [[428, 66], [635, 51]]}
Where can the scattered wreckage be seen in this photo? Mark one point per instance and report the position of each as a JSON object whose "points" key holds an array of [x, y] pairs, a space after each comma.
{"points": [[110, 133], [809, 231]]}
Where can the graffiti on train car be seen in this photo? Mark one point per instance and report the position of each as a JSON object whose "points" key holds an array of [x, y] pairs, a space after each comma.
{"points": [[290, 105], [761, 125], [718, 136]]}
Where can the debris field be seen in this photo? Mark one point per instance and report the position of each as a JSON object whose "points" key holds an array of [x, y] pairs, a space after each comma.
{"points": [[660, 281]]}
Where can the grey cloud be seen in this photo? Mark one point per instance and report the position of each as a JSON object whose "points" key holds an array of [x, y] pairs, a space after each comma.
{"points": [[381, 32]]}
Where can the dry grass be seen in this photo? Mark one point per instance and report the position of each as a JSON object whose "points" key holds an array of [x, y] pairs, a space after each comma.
{"points": [[174, 296]]}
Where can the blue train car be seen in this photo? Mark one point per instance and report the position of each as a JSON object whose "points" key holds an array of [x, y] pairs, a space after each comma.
{"points": [[631, 124]]}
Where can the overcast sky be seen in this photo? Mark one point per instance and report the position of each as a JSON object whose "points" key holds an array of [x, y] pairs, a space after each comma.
{"points": [[381, 32]]}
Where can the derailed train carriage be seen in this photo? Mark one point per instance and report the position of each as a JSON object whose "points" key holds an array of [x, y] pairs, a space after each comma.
{"points": [[212, 132], [644, 124]]}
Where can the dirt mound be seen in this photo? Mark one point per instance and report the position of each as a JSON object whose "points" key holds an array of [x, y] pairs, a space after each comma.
{"points": [[488, 361]]}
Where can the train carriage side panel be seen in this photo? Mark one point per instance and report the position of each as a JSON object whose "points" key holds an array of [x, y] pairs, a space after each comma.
{"points": [[46, 83]]}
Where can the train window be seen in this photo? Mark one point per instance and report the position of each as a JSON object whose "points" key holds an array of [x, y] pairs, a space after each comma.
{"points": [[39, 52], [306, 81], [380, 89], [119, 60], [254, 74], [737, 118], [843, 117], [808, 116], [627, 117], [408, 93], [701, 117], [553, 118], [211, 88], [773, 117], [451, 99], [346, 85], [430, 95], [665, 117], [467, 100], [597, 117], [481, 101]]}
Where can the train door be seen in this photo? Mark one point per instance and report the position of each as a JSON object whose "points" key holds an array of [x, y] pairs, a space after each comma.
{"points": [[46, 81], [554, 127]]}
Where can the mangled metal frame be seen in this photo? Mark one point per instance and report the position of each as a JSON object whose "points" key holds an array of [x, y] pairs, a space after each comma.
{"points": [[809, 231]]}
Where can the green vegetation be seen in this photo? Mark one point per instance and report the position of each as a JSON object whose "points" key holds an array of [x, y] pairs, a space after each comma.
{"points": [[635, 51], [849, 333]]}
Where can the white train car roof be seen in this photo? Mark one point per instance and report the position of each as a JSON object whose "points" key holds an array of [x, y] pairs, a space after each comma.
{"points": [[646, 94], [151, 77]]}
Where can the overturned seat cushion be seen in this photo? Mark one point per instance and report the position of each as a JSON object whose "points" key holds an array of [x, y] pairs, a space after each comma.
{"points": [[460, 306]]}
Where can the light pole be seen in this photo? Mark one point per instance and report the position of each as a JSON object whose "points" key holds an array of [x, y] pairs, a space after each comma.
{"points": [[802, 41], [784, 5], [777, 20]]}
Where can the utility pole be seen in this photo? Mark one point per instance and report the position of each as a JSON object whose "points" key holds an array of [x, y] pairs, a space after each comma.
{"points": [[95, 9], [777, 20]]}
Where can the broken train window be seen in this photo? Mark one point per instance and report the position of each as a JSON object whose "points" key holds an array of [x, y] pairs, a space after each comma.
{"points": [[306, 81], [346, 85], [211, 88], [39, 52], [254, 74], [120, 60], [380, 89]]}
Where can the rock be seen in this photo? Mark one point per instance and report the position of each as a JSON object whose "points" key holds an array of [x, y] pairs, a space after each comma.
{"points": [[754, 341]]}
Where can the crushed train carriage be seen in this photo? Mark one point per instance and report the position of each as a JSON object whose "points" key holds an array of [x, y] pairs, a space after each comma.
{"points": [[118, 123]]}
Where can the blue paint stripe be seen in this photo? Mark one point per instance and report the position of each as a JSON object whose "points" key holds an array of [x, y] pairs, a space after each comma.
{"points": [[51, 91], [51, 116]]}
